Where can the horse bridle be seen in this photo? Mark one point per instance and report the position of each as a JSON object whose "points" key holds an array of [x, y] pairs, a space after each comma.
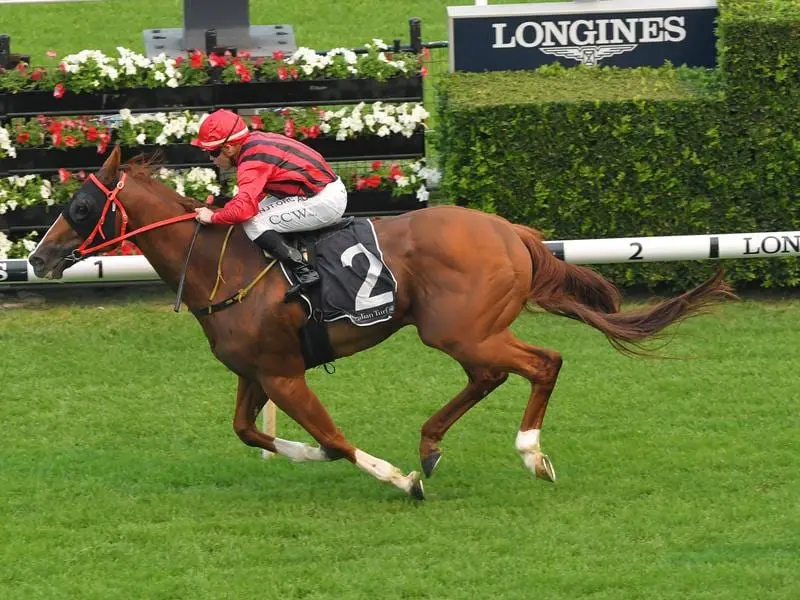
{"points": [[105, 226]]}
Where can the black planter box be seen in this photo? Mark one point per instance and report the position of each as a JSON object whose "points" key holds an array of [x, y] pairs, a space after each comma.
{"points": [[49, 160], [39, 217], [369, 147], [136, 99], [381, 202], [316, 91]]}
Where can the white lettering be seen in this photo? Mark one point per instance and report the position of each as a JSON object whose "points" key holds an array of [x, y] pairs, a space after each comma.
{"points": [[627, 28], [652, 30], [364, 301], [676, 26], [583, 32], [3, 271], [602, 26], [537, 40], [499, 28], [589, 33], [559, 31]]}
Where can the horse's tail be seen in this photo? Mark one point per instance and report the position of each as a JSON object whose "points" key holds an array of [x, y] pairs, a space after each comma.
{"points": [[583, 294]]}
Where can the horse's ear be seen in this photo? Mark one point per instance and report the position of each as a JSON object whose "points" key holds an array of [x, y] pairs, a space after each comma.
{"points": [[110, 168]]}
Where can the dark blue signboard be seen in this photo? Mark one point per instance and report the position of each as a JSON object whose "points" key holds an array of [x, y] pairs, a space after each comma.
{"points": [[621, 33]]}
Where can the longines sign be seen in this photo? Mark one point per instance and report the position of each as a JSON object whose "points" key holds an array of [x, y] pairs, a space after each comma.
{"points": [[622, 33]]}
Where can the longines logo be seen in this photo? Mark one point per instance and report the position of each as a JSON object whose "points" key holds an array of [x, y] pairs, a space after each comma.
{"points": [[590, 41]]}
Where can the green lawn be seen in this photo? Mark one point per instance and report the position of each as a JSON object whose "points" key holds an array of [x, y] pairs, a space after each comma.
{"points": [[319, 24], [122, 478]]}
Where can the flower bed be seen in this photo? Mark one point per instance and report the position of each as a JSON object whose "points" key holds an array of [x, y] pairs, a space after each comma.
{"points": [[32, 202], [92, 82], [42, 144]]}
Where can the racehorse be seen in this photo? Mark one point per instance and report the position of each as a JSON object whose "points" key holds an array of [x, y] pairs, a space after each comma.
{"points": [[462, 277]]}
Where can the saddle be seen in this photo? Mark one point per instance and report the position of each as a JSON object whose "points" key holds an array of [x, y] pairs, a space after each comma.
{"points": [[354, 284]]}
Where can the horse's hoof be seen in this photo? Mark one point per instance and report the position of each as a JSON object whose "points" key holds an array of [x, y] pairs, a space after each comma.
{"points": [[430, 462], [416, 491], [544, 468]]}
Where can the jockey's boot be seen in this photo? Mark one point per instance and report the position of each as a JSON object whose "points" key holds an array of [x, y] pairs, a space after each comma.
{"points": [[306, 276]]}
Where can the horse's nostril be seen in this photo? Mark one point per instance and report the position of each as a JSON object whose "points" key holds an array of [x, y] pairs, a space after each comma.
{"points": [[35, 261]]}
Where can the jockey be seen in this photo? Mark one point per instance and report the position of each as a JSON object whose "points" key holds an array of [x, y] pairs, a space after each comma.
{"points": [[284, 186]]}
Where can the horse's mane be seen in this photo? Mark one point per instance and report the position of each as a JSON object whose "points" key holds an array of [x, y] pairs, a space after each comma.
{"points": [[142, 168]]}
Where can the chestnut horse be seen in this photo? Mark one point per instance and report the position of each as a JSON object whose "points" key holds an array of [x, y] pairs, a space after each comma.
{"points": [[463, 277]]}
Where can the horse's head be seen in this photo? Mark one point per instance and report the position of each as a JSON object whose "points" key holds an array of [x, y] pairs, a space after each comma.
{"points": [[90, 217]]}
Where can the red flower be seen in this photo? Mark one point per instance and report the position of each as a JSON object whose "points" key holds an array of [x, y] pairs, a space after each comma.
{"points": [[217, 61], [37, 74], [179, 61], [243, 72], [374, 181], [293, 72], [23, 137], [70, 141], [376, 165], [278, 55], [310, 132], [91, 133], [424, 71], [62, 66], [426, 53], [396, 172], [59, 90], [196, 58], [288, 128], [105, 138], [63, 175], [361, 183], [256, 122], [283, 73], [244, 54], [22, 67]]}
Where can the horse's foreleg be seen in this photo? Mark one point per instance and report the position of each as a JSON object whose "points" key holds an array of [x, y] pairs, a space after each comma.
{"points": [[293, 396], [481, 383], [250, 399]]}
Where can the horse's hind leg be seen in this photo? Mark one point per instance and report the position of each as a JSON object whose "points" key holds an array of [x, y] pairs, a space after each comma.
{"points": [[539, 366], [250, 399], [481, 383], [502, 353], [293, 396]]}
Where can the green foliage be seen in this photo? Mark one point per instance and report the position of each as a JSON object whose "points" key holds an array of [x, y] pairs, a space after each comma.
{"points": [[602, 152]]}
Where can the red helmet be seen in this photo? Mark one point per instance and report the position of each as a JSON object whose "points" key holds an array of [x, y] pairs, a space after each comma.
{"points": [[220, 127]]}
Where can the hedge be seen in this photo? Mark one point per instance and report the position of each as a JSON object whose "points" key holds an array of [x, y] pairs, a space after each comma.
{"points": [[603, 152]]}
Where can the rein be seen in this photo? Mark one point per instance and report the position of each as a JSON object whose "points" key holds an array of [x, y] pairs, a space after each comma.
{"points": [[113, 203]]}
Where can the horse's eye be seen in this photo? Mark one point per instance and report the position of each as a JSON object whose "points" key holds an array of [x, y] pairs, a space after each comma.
{"points": [[81, 210]]}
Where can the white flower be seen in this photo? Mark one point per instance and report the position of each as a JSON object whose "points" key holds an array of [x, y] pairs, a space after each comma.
{"points": [[401, 181], [383, 131], [422, 194], [141, 138], [5, 144], [5, 246], [29, 245]]}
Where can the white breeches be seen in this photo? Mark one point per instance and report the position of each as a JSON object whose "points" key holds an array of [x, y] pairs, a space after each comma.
{"points": [[298, 213]]}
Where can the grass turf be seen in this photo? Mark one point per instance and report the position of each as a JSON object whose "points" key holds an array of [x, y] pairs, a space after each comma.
{"points": [[121, 475], [105, 24]]}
